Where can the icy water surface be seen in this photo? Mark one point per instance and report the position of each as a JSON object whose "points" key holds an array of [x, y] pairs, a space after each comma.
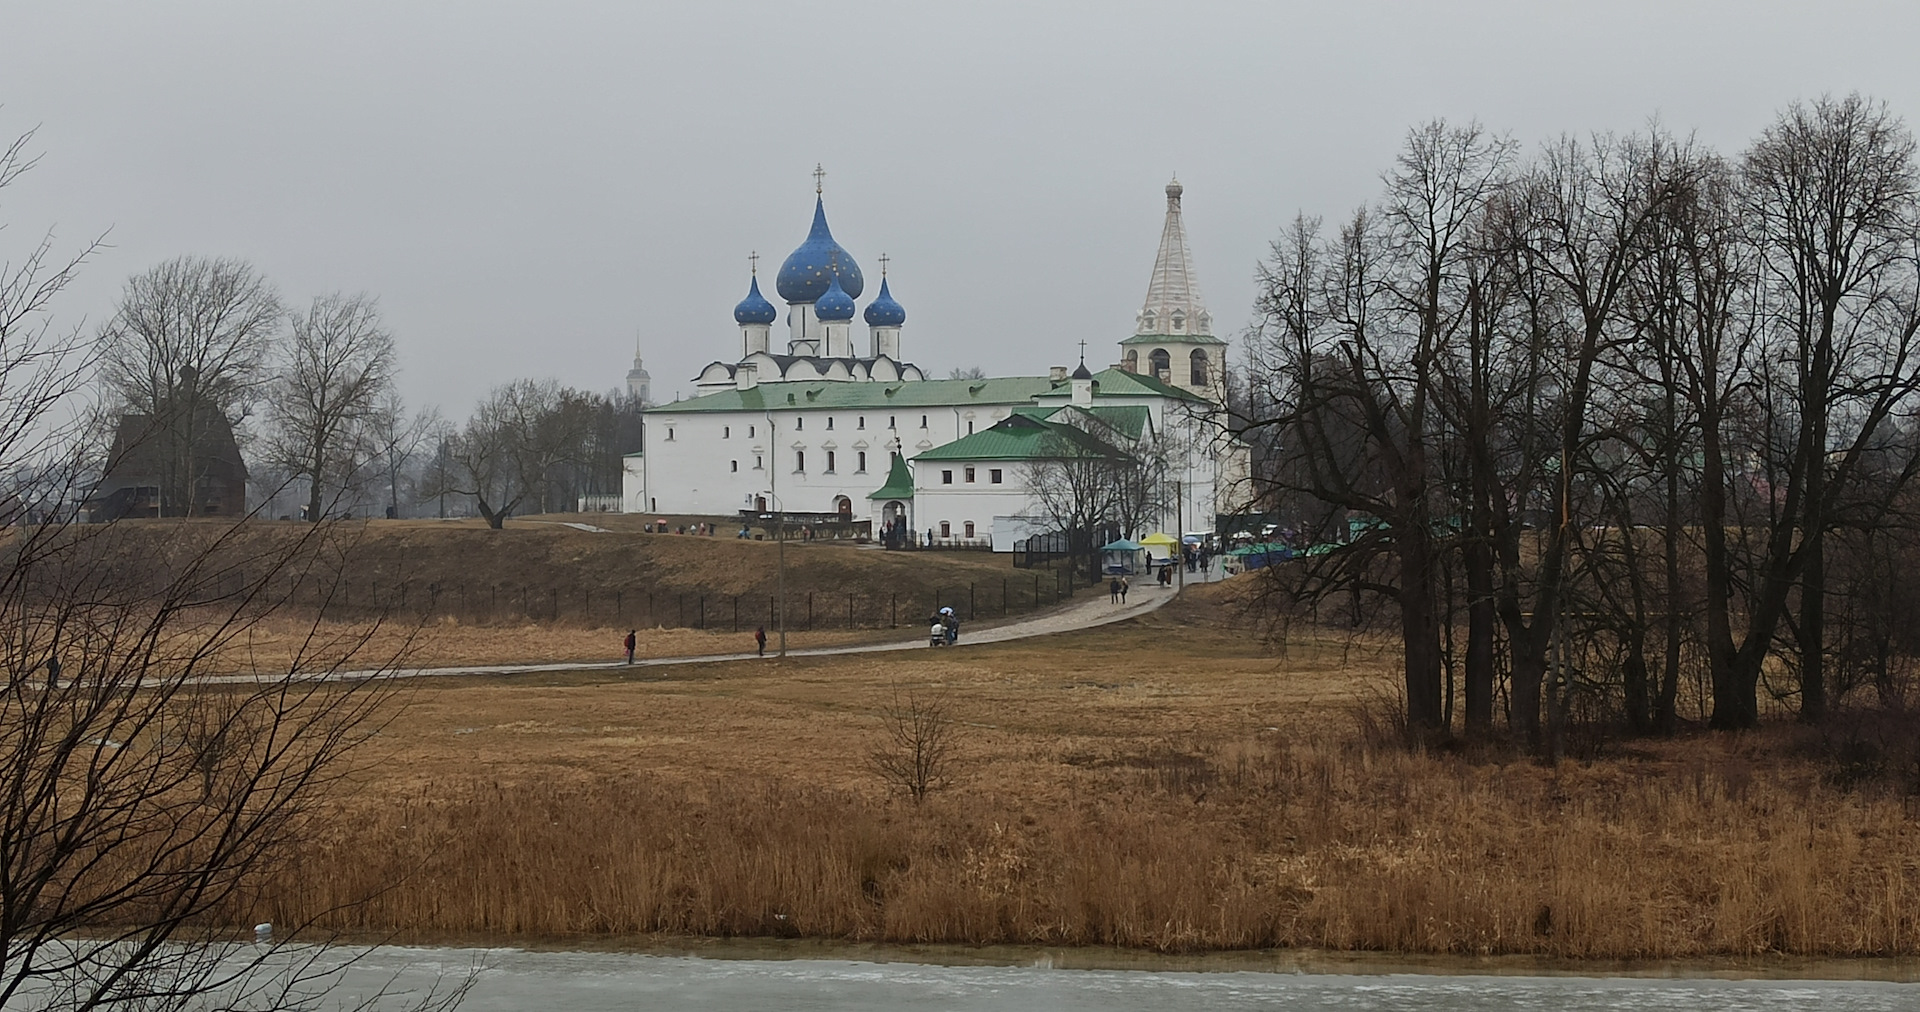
{"points": [[519, 981]]}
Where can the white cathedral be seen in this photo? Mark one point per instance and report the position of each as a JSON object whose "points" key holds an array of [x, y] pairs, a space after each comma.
{"points": [[826, 430]]}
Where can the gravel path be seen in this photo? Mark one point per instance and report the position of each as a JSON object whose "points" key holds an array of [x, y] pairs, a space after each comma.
{"points": [[1086, 611]]}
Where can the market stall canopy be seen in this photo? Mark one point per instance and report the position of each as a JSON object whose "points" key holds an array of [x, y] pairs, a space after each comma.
{"points": [[1122, 545]]}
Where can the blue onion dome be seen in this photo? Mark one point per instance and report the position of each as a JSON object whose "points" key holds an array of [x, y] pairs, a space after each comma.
{"points": [[804, 277], [883, 311], [836, 305], [1082, 373], [754, 308]]}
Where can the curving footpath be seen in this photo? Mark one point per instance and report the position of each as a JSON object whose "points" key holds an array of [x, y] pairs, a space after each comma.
{"points": [[1089, 610]]}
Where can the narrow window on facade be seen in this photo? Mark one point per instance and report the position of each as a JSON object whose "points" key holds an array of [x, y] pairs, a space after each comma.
{"points": [[861, 423], [993, 475], [829, 461], [861, 461], [735, 463], [726, 432], [968, 528], [946, 477], [799, 460], [829, 423], [893, 421], [759, 463], [749, 432], [923, 422], [1198, 369], [653, 504], [799, 423], [969, 426], [669, 433], [946, 529], [969, 475]]}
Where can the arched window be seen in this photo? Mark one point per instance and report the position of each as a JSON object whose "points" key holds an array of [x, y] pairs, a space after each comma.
{"points": [[1199, 377], [1160, 364], [969, 529], [946, 529], [1179, 321], [1132, 360]]}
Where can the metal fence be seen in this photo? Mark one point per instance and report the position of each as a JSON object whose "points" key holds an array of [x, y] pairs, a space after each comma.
{"points": [[807, 608]]}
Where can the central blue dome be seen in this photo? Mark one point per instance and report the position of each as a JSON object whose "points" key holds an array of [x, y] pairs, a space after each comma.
{"points": [[754, 308], [883, 311], [835, 305], [820, 260]]}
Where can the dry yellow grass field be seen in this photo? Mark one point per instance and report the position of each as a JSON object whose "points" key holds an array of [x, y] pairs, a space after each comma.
{"points": [[1162, 784]]}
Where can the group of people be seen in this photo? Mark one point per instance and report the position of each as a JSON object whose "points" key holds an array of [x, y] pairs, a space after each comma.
{"points": [[1117, 589], [661, 527], [945, 631]]}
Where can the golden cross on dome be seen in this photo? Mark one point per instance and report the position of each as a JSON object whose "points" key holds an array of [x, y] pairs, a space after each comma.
{"points": [[883, 264], [753, 262], [819, 177]]}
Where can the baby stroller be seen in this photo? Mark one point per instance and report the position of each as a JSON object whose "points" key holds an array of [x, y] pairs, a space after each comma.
{"points": [[937, 636]]}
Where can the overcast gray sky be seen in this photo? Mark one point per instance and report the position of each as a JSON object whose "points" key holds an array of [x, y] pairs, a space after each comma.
{"points": [[526, 186]]}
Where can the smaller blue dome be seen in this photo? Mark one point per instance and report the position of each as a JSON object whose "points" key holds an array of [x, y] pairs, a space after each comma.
{"points": [[835, 305], [883, 311], [754, 308]]}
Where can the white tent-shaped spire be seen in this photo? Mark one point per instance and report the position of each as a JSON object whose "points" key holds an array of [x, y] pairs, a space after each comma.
{"points": [[1174, 306]]}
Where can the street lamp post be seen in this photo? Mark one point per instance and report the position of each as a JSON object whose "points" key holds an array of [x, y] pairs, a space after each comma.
{"points": [[779, 532]]}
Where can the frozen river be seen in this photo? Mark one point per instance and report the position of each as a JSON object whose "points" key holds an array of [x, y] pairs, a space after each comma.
{"points": [[518, 981]]}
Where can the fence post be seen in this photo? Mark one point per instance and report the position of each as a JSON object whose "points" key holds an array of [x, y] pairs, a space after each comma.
{"points": [[849, 611], [893, 612], [703, 611], [619, 606], [679, 610], [1003, 597], [809, 611], [736, 613], [972, 612]]}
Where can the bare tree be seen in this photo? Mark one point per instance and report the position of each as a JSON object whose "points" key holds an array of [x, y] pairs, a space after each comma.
{"points": [[140, 803], [1833, 194], [514, 446], [189, 340], [338, 365], [398, 439], [916, 750]]}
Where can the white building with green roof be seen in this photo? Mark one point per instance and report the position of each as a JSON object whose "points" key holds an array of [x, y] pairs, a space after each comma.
{"points": [[831, 430]]}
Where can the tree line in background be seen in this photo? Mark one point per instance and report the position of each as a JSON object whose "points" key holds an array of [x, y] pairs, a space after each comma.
{"points": [[1628, 416], [199, 344]]}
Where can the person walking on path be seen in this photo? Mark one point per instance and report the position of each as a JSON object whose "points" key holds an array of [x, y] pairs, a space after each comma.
{"points": [[1124, 584], [760, 641], [629, 642], [1113, 590]]}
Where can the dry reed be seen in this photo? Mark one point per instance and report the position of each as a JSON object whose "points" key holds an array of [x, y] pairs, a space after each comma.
{"points": [[1325, 843]]}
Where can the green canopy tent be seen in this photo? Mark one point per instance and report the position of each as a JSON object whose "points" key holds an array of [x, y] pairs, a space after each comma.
{"points": [[1122, 557]]}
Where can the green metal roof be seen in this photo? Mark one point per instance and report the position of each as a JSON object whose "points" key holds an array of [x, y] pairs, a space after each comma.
{"points": [[1129, 420], [1172, 339], [899, 482], [860, 394], [1024, 437], [1121, 383]]}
